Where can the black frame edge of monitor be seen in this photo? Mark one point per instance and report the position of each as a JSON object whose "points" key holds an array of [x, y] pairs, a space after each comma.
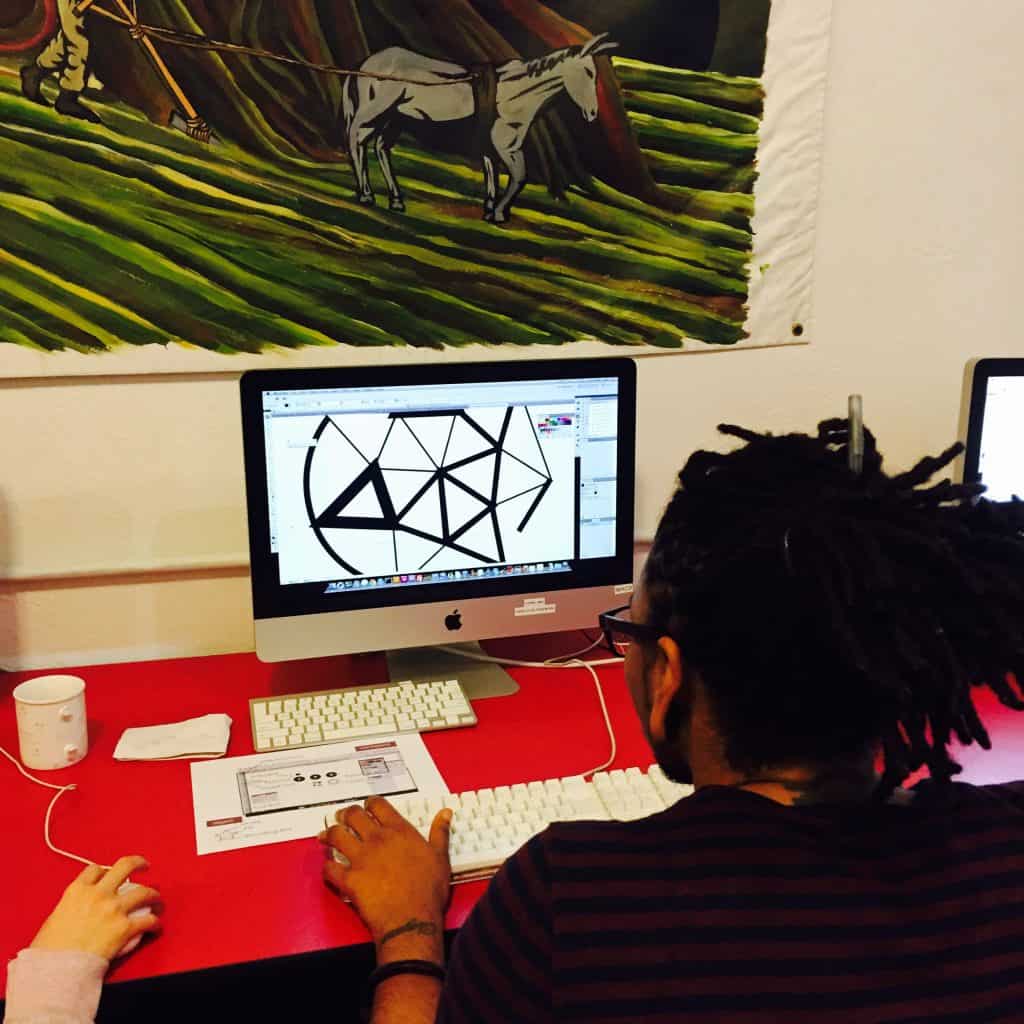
{"points": [[979, 371], [269, 600]]}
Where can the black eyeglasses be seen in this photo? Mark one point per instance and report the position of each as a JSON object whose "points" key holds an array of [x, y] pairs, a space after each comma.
{"points": [[620, 631]]}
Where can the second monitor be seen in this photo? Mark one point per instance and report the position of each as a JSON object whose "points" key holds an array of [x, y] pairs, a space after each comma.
{"points": [[392, 508]]}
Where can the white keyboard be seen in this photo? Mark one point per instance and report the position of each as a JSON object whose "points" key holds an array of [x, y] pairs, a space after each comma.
{"points": [[488, 825], [309, 719]]}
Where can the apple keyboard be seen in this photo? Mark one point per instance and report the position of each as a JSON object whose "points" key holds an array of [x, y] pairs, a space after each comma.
{"points": [[488, 825], [309, 719]]}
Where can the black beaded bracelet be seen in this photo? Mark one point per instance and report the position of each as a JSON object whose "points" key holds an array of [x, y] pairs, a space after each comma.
{"points": [[385, 971]]}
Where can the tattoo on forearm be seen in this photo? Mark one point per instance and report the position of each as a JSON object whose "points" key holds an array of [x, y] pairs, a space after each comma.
{"points": [[419, 927]]}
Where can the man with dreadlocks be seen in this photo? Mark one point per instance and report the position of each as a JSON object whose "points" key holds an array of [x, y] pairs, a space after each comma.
{"points": [[797, 624]]}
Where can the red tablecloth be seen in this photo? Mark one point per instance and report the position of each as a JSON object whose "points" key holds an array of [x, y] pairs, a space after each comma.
{"points": [[266, 901]]}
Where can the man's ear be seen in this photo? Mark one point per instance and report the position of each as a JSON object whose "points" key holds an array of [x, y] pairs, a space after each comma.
{"points": [[669, 690]]}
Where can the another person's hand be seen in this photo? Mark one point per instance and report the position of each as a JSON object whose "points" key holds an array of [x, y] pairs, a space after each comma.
{"points": [[398, 882], [92, 917]]}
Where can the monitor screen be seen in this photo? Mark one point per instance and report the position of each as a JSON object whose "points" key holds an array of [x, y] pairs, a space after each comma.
{"points": [[995, 433], [435, 503]]}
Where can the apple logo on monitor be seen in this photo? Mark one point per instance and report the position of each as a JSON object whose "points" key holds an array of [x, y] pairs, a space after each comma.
{"points": [[453, 621]]}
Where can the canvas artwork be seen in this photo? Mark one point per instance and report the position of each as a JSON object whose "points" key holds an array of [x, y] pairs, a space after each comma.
{"points": [[255, 177]]}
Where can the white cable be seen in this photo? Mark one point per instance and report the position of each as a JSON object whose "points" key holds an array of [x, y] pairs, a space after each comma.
{"points": [[61, 790], [604, 712], [575, 654], [550, 663], [573, 662], [563, 661]]}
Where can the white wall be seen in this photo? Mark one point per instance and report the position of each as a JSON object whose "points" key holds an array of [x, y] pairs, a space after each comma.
{"points": [[917, 267]]}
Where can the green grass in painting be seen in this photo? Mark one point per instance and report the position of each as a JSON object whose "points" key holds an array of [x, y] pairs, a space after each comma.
{"points": [[131, 234]]}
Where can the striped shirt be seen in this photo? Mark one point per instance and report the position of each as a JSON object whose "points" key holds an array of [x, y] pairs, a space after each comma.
{"points": [[729, 907]]}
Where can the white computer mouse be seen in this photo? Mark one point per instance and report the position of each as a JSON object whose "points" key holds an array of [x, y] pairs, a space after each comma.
{"points": [[133, 942], [336, 855]]}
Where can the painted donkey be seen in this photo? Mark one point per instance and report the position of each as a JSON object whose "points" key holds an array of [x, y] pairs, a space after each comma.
{"points": [[423, 89]]}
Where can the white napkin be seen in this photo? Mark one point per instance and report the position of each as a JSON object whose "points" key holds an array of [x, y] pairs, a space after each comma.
{"points": [[206, 736]]}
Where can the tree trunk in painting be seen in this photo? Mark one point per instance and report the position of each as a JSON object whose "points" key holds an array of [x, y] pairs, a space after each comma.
{"points": [[343, 29]]}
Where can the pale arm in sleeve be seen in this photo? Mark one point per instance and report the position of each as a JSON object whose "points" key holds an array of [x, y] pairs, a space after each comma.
{"points": [[45, 987]]}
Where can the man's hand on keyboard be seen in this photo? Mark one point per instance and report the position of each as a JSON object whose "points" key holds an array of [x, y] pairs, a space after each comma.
{"points": [[399, 882]]}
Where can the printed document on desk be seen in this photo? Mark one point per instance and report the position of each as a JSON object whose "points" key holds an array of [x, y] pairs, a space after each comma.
{"points": [[271, 798]]}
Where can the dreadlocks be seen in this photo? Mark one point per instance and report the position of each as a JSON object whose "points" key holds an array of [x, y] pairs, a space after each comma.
{"points": [[829, 612]]}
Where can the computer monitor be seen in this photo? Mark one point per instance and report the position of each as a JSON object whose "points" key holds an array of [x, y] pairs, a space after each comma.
{"points": [[408, 506], [995, 428]]}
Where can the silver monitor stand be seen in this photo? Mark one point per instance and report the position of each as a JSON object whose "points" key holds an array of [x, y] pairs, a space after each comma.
{"points": [[479, 679]]}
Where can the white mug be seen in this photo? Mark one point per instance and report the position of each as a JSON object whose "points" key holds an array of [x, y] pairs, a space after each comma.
{"points": [[52, 731]]}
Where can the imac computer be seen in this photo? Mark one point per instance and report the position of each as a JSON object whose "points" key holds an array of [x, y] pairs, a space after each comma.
{"points": [[994, 441], [410, 507]]}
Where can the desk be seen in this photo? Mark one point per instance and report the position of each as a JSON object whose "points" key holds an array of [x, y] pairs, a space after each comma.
{"points": [[268, 901]]}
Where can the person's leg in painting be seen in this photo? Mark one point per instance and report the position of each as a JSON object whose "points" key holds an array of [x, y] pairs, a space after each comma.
{"points": [[66, 55], [32, 76]]}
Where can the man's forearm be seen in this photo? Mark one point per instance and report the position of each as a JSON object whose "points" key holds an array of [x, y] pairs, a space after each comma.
{"points": [[409, 998], [406, 999]]}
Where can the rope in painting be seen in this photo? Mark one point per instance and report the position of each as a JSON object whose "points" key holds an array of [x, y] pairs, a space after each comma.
{"points": [[127, 15]]}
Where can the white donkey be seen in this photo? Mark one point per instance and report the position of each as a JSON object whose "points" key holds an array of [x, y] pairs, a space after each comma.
{"points": [[423, 89]]}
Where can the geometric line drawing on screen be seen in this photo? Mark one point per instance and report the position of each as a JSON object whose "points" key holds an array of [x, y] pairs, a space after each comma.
{"points": [[439, 476]]}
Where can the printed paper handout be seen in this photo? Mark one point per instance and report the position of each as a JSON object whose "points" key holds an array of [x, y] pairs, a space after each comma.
{"points": [[271, 798]]}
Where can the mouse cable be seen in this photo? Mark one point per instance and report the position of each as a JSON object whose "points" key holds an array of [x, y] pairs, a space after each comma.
{"points": [[574, 660], [61, 790]]}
